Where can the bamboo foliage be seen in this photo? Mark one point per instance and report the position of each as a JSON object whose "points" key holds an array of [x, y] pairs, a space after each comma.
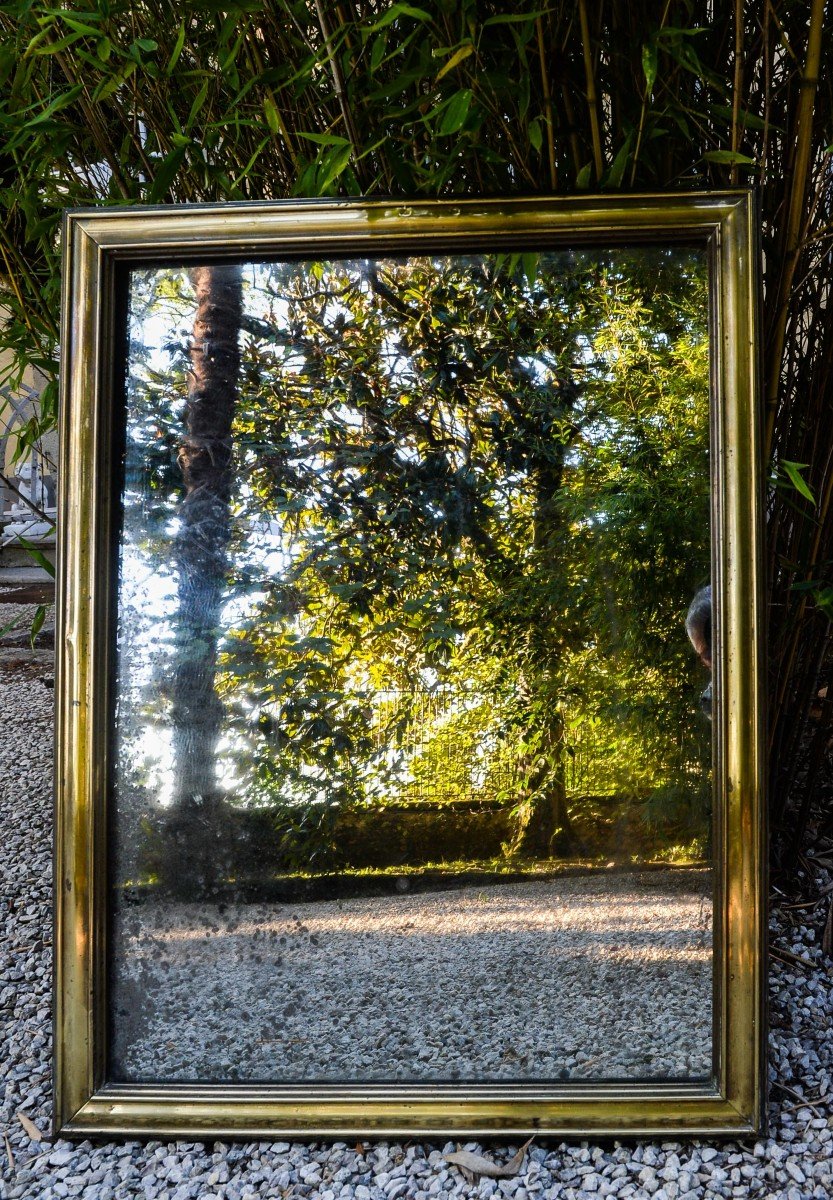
{"points": [[114, 102]]}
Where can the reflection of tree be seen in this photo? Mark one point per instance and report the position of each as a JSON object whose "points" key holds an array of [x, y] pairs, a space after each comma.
{"points": [[484, 475], [202, 537]]}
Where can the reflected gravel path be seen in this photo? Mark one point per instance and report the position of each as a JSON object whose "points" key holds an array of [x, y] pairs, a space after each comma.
{"points": [[575, 977]]}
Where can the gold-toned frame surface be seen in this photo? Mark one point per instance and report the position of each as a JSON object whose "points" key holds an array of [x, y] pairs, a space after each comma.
{"points": [[99, 242]]}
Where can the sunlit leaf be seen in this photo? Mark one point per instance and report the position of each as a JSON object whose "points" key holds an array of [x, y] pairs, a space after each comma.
{"points": [[731, 157], [459, 56], [793, 472], [36, 555], [37, 623]]}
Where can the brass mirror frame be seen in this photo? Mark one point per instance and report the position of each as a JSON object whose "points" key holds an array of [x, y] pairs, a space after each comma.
{"points": [[101, 243]]}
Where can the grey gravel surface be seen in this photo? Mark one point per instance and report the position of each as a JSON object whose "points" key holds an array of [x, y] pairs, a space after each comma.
{"points": [[792, 1163]]}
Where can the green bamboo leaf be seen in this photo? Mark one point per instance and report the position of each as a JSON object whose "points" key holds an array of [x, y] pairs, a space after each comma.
{"points": [[55, 47], [37, 624], [793, 472], [456, 58], [400, 10], [107, 87], [649, 66], [333, 164], [670, 33], [37, 555], [620, 162], [380, 45], [81, 26], [519, 19], [13, 624], [165, 175], [747, 120], [59, 103], [455, 112], [324, 139], [271, 113], [535, 135], [730, 156], [247, 169], [529, 263], [199, 101], [583, 177], [140, 46], [177, 50]]}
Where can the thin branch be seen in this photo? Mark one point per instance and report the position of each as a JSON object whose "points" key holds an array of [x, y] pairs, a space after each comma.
{"points": [[103, 142]]}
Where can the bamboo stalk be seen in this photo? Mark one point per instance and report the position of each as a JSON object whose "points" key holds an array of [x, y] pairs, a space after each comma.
{"points": [[101, 139], [798, 630], [519, 157], [736, 88], [792, 241], [548, 109], [572, 135], [592, 98], [254, 54], [768, 53], [341, 95]]}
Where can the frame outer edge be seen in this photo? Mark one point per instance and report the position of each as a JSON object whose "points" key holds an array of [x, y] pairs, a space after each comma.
{"points": [[742, 669], [95, 243], [75, 755]]}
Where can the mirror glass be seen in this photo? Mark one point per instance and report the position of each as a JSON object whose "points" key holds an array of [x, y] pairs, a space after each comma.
{"points": [[412, 774]]}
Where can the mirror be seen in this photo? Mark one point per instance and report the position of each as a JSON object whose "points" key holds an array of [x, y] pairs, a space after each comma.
{"points": [[412, 779]]}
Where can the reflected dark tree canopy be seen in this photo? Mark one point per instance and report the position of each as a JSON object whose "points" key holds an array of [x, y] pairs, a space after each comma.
{"points": [[467, 508]]}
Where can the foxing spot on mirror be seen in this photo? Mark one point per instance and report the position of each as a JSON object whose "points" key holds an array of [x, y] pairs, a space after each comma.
{"points": [[408, 734]]}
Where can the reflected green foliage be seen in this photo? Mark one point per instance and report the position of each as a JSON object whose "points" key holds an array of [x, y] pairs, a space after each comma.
{"points": [[471, 505]]}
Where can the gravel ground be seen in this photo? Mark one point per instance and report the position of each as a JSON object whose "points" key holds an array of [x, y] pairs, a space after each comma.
{"points": [[614, 970], [792, 1163]]}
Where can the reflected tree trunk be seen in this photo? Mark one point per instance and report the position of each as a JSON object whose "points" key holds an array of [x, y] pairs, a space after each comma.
{"points": [[201, 553], [544, 827]]}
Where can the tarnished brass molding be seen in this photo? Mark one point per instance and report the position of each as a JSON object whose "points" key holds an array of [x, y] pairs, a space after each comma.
{"points": [[98, 246]]}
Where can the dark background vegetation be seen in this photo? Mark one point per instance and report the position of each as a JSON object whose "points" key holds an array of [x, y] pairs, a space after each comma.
{"points": [[141, 102]]}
